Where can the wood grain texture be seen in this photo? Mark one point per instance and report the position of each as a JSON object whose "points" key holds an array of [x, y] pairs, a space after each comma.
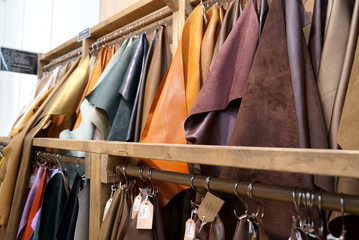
{"points": [[99, 194], [310, 161], [5, 140]]}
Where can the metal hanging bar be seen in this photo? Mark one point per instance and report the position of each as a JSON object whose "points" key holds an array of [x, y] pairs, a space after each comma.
{"points": [[63, 59], [327, 200], [56, 157], [141, 25]]}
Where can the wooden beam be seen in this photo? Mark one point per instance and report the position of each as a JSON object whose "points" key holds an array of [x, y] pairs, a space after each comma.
{"points": [[5, 140], [99, 194], [61, 50], [86, 44], [174, 5], [128, 15], [310, 161]]}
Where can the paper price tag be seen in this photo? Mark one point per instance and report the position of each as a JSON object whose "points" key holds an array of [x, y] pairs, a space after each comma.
{"points": [[32, 180], [145, 215], [190, 230], [107, 207], [136, 206], [209, 207], [219, 229]]}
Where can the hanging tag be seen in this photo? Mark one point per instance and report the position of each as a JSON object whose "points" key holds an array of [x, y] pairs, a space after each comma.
{"points": [[209, 207], [32, 180], [190, 230], [107, 207], [83, 34], [219, 227], [136, 206], [145, 215]]}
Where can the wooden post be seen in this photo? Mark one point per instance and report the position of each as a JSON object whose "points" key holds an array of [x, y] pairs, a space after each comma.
{"points": [[99, 194], [86, 44], [40, 64], [108, 164]]}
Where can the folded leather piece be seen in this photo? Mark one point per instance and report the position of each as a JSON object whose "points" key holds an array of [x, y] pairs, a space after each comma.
{"points": [[103, 114], [230, 18], [16, 152], [263, 11], [84, 128], [209, 40], [344, 78], [122, 128], [209, 231], [42, 86], [295, 14], [64, 102], [82, 223], [250, 228], [52, 207], [309, 113], [316, 36], [213, 115], [157, 231], [348, 132], [157, 64], [348, 137], [267, 118], [142, 85], [33, 204], [339, 17], [36, 103], [120, 209], [67, 225], [177, 212], [123, 218], [178, 90], [107, 224], [103, 57]]}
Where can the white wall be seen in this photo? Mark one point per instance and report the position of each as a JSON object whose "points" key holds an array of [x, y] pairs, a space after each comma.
{"points": [[72, 16], [38, 26], [109, 8], [12, 33]]}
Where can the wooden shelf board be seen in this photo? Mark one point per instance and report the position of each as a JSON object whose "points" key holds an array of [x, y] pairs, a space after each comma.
{"points": [[310, 161]]}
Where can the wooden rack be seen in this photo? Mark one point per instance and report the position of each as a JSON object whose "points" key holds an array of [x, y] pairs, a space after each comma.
{"points": [[102, 156]]}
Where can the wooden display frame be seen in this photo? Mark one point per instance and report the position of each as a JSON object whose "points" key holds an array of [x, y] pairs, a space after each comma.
{"points": [[103, 155]]}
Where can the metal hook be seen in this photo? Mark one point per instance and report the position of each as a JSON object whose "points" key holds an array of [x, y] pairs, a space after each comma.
{"points": [[241, 199], [297, 201], [193, 187], [259, 205], [154, 189], [140, 173], [123, 172], [208, 179], [321, 228], [115, 169], [342, 235], [143, 26]]}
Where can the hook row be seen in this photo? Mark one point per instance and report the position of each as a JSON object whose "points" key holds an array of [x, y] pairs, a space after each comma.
{"points": [[130, 30], [67, 57]]}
